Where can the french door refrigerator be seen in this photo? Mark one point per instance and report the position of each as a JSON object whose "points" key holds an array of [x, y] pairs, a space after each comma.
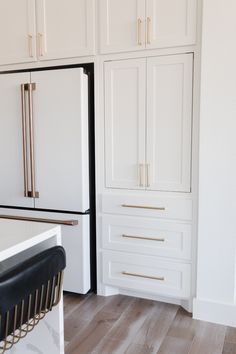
{"points": [[44, 159]]}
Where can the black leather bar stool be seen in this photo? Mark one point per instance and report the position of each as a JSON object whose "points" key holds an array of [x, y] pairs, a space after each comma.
{"points": [[28, 292]]}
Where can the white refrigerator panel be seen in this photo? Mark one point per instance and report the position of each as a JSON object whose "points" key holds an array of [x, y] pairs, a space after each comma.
{"points": [[60, 104], [75, 240], [11, 141]]}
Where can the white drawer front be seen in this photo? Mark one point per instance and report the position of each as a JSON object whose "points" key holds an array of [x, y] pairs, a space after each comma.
{"points": [[147, 236], [146, 273], [140, 205]]}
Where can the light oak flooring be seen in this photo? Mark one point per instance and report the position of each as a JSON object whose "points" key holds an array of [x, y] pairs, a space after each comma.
{"points": [[126, 325]]}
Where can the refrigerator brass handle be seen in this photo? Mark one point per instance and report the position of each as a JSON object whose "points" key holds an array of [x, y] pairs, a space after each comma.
{"points": [[148, 30], [139, 31], [144, 238], [141, 166], [24, 137], [147, 175], [48, 221], [143, 207], [143, 276], [30, 87]]}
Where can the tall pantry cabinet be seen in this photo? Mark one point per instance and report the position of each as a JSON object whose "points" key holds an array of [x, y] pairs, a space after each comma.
{"points": [[146, 221]]}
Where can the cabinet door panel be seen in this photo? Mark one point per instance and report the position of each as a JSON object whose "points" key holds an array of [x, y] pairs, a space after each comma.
{"points": [[119, 27], [169, 119], [61, 139], [11, 141], [172, 22], [65, 29], [125, 123], [17, 31]]}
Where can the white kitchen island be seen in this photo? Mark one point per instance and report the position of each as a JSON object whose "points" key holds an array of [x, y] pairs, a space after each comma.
{"points": [[20, 240]]}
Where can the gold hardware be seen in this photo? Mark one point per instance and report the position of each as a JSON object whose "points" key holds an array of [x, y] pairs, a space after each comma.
{"points": [[24, 136], [48, 221], [147, 175], [40, 39], [148, 30], [141, 177], [143, 276], [144, 238], [54, 290], [139, 31], [143, 207], [30, 88], [30, 43]]}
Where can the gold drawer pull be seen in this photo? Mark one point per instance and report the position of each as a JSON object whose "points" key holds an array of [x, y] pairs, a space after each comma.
{"points": [[143, 207], [139, 31], [144, 238], [47, 221], [143, 276]]}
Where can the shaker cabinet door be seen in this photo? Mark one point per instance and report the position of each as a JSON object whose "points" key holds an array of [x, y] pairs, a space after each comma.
{"points": [[169, 121], [65, 28], [171, 22], [125, 87], [17, 31], [122, 25], [12, 179]]}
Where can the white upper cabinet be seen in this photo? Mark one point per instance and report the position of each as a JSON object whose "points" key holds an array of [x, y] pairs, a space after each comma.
{"points": [[65, 28], [12, 160], [122, 25], [139, 24], [125, 123], [170, 22], [169, 118], [148, 120], [17, 31]]}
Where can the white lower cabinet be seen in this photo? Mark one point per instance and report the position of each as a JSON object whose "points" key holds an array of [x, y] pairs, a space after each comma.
{"points": [[147, 236], [146, 274], [75, 240]]}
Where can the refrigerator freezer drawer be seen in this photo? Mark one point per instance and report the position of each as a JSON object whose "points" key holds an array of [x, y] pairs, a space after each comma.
{"points": [[75, 240]]}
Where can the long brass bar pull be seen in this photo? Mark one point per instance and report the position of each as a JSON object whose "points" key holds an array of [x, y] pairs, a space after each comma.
{"points": [[47, 221], [143, 276], [148, 30], [24, 137], [139, 31], [158, 239], [32, 193], [143, 207]]}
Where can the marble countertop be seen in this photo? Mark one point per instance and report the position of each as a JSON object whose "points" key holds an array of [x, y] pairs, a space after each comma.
{"points": [[18, 236]]}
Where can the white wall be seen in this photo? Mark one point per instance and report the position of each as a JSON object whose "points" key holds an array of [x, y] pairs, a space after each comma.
{"points": [[216, 275]]}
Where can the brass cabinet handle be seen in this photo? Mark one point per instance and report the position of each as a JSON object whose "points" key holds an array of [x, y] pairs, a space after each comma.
{"points": [[48, 221], [143, 207], [144, 238], [141, 177], [148, 30], [139, 31], [24, 136], [30, 43], [147, 175], [40, 44], [143, 276], [30, 87]]}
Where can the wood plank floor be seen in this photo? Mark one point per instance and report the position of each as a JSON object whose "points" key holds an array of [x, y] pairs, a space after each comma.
{"points": [[126, 325]]}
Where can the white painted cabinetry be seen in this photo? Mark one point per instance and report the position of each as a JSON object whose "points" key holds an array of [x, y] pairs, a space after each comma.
{"points": [[32, 30], [139, 24], [148, 122], [17, 31], [65, 29]]}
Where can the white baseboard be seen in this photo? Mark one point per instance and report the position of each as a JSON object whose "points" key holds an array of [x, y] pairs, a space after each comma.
{"points": [[215, 312]]}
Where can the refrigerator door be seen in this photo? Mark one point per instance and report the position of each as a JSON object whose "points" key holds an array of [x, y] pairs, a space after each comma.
{"points": [[60, 104], [75, 240], [12, 179]]}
